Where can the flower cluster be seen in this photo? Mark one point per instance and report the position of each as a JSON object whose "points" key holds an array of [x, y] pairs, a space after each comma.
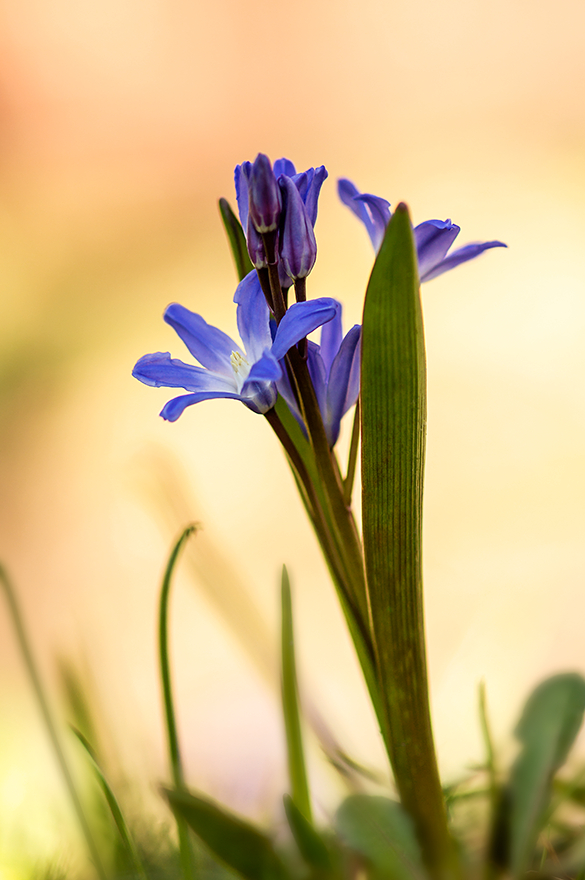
{"points": [[278, 211]]}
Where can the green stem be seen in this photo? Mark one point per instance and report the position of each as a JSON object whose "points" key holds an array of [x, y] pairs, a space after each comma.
{"points": [[353, 454], [185, 849], [51, 727], [343, 524], [310, 497]]}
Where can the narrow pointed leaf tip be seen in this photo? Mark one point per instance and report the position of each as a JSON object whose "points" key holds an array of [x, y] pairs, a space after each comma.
{"points": [[236, 842], [433, 237]]}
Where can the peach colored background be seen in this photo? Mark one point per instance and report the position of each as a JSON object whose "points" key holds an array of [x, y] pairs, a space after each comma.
{"points": [[121, 124]]}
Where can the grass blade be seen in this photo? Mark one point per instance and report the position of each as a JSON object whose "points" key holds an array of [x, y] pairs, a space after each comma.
{"points": [[117, 815], [290, 706], [185, 848], [51, 727]]}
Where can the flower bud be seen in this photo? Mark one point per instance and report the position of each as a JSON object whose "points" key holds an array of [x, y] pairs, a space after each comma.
{"points": [[255, 246], [265, 202], [298, 248]]}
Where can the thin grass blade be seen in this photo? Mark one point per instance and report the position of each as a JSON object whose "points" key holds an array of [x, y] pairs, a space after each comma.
{"points": [[115, 810], [50, 725], [297, 770], [188, 866]]}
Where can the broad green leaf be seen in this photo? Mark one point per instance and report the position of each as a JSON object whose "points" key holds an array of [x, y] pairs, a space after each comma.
{"points": [[236, 238], [393, 407], [236, 842], [310, 843], [290, 707], [547, 729], [381, 832]]}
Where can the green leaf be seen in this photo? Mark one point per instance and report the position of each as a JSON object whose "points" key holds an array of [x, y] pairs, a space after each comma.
{"points": [[237, 843], [290, 707], [236, 238], [117, 815], [393, 406], [547, 729], [185, 849], [311, 845], [381, 832]]}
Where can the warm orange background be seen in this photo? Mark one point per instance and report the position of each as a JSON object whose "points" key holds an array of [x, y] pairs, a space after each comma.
{"points": [[121, 123]]}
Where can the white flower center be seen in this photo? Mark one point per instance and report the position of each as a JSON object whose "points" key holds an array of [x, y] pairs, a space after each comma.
{"points": [[241, 368]]}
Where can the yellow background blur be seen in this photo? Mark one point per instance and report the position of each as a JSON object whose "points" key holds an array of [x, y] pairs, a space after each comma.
{"points": [[121, 122]]}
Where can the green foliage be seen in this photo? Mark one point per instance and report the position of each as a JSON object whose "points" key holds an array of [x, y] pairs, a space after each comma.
{"points": [[393, 416], [547, 729], [186, 851], [237, 843], [236, 238], [382, 833], [311, 845], [290, 707], [128, 845]]}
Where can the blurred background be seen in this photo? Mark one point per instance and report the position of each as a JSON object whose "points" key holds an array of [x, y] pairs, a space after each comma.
{"points": [[121, 122]]}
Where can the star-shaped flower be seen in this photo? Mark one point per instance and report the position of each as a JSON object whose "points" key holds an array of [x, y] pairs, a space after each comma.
{"points": [[247, 373]]}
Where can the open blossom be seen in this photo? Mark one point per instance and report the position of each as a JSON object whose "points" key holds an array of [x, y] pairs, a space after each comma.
{"points": [[334, 366], [433, 238], [247, 373]]}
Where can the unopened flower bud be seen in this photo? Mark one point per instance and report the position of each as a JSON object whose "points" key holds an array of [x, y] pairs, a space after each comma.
{"points": [[298, 248], [265, 202]]}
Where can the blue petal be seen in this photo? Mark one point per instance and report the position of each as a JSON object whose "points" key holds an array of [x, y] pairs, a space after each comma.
{"points": [[302, 182], [160, 370], [298, 248], [312, 197], [285, 389], [318, 374], [259, 390], [253, 317], [210, 346], [300, 320], [380, 213], [331, 336], [266, 369], [433, 238], [241, 175], [373, 211], [175, 407], [462, 255], [343, 385], [347, 192], [284, 166]]}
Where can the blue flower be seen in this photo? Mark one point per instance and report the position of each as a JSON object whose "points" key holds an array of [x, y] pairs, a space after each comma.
{"points": [[295, 233], [248, 374], [433, 238], [334, 366]]}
